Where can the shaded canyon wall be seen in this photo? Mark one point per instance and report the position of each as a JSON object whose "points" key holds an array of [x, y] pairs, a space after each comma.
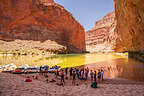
{"points": [[130, 25], [39, 24]]}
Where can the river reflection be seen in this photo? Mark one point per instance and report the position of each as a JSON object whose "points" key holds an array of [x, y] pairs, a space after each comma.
{"points": [[115, 66], [132, 69], [121, 68]]}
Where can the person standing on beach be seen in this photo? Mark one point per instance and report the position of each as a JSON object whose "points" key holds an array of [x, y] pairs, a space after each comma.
{"points": [[88, 70], [86, 74], [40, 70], [95, 74], [71, 72], [74, 77], [102, 73], [57, 73], [91, 74], [82, 74], [77, 73], [66, 71], [46, 69], [62, 76], [46, 78], [99, 75]]}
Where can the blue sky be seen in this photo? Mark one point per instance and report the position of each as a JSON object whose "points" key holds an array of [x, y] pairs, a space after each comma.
{"points": [[87, 12]]}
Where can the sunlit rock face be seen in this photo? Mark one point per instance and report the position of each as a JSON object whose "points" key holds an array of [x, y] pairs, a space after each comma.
{"points": [[102, 37], [42, 23], [47, 1], [130, 25]]}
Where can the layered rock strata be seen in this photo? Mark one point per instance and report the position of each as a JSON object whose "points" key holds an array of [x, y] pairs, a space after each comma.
{"points": [[102, 37], [43, 23]]}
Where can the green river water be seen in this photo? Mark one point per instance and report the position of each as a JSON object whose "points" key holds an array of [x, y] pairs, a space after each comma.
{"points": [[115, 66]]}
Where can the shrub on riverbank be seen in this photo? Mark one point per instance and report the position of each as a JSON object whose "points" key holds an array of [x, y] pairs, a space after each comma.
{"points": [[136, 55]]}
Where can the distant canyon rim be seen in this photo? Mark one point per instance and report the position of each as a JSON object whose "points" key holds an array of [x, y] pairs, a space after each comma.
{"points": [[46, 25]]}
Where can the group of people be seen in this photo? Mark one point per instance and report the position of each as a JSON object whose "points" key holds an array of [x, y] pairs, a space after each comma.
{"points": [[80, 74], [75, 73]]}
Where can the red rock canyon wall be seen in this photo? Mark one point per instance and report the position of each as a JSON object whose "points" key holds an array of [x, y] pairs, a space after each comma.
{"points": [[39, 24]]}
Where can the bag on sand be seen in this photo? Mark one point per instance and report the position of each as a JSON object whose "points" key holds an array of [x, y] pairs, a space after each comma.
{"points": [[94, 85], [60, 84], [27, 80], [66, 77], [53, 81]]}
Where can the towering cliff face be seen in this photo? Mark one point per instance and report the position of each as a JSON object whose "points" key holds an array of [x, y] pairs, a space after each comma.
{"points": [[41, 24], [130, 22], [102, 37]]}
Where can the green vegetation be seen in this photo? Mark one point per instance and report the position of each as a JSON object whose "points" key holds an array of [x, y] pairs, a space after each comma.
{"points": [[137, 55]]}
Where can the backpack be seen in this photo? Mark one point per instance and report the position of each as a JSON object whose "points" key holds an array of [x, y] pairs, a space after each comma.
{"points": [[94, 85]]}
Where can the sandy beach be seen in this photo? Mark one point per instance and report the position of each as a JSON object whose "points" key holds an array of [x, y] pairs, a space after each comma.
{"points": [[14, 85]]}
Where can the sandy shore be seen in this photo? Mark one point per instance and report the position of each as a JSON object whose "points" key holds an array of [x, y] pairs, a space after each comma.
{"points": [[14, 85]]}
